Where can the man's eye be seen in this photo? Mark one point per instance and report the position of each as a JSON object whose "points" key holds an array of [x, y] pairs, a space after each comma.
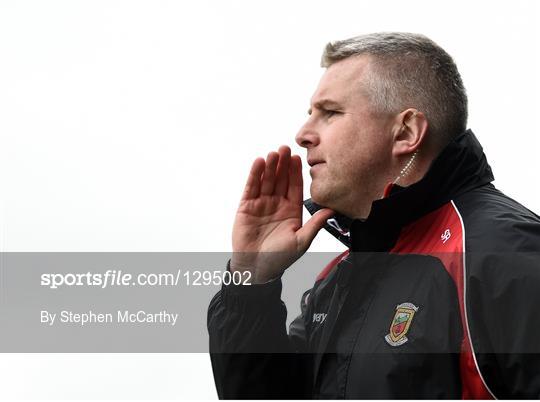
{"points": [[330, 113]]}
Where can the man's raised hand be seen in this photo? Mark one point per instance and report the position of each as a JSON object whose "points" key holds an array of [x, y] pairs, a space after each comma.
{"points": [[268, 235]]}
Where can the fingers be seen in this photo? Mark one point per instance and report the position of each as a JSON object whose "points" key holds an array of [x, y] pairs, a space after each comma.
{"points": [[269, 177], [279, 175], [307, 233], [295, 190], [253, 184], [282, 173]]}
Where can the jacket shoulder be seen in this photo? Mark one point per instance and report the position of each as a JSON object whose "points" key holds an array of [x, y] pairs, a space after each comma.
{"points": [[492, 221]]}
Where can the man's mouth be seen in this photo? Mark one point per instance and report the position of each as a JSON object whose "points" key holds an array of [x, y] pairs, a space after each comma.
{"points": [[313, 162], [315, 166]]}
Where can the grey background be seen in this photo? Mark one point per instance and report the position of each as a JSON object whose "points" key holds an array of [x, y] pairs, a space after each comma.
{"points": [[22, 298]]}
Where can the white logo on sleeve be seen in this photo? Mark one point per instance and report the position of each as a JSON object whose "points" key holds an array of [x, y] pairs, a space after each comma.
{"points": [[319, 317], [334, 223], [446, 235]]}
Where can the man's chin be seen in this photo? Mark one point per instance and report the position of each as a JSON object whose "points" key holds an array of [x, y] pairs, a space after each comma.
{"points": [[320, 198]]}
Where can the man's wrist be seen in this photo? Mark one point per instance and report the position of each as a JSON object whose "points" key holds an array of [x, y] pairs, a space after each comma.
{"points": [[261, 292], [256, 277]]}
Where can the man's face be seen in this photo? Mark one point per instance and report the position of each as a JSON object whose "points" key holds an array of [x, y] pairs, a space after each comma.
{"points": [[348, 145]]}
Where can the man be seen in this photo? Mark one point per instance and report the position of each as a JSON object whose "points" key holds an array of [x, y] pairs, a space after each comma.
{"points": [[438, 295]]}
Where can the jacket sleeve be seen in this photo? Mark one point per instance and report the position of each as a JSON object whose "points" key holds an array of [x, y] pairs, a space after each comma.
{"points": [[252, 355]]}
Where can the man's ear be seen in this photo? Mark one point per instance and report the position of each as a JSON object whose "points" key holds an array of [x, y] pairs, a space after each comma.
{"points": [[409, 132]]}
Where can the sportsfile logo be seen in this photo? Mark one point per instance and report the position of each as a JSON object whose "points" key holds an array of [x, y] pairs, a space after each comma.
{"points": [[319, 317]]}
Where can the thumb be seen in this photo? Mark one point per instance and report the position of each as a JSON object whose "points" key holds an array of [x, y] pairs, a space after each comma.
{"points": [[307, 233]]}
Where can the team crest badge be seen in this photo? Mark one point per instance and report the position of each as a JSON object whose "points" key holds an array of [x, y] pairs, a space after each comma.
{"points": [[400, 324]]}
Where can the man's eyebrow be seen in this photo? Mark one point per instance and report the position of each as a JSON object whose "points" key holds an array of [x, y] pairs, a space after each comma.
{"points": [[324, 103]]}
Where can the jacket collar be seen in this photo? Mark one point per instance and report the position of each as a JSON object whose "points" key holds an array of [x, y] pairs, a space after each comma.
{"points": [[460, 167]]}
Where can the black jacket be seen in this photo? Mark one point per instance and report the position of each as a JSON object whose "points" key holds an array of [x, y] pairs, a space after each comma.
{"points": [[439, 297]]}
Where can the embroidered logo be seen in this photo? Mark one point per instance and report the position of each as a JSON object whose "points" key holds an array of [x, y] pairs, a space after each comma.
{"points": [[400, 324], [446, 235]]}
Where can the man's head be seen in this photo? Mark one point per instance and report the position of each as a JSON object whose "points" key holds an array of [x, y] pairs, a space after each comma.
{"points": [[394, 95]]}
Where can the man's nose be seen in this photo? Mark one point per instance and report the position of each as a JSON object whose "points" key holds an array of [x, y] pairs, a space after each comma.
{"points": [[307, 136]]}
